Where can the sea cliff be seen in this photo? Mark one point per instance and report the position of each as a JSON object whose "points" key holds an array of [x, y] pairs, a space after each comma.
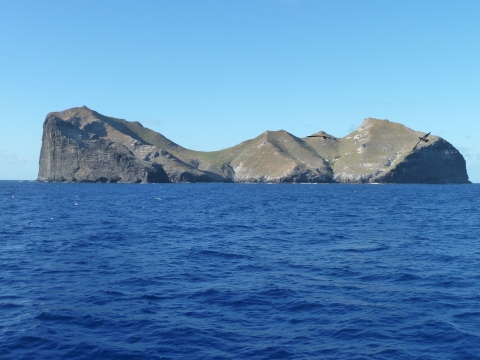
{"points": [[82, 145]]}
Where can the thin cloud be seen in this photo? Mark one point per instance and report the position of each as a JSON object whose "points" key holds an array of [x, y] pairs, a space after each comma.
{"points": [[466, 151], [470, 155], [152, 122], [7, 159], [352, 128]]}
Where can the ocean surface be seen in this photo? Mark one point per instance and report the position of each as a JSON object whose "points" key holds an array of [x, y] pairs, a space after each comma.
{"points": [[232, 271]]}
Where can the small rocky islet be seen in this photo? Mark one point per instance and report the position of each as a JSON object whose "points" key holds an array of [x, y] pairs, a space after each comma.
{"points": [[81, 145]]}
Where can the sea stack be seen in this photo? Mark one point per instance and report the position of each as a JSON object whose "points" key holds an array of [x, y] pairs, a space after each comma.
{"points": [[81, 145]]}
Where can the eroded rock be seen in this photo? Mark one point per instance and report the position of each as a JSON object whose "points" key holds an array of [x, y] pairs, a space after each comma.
{"points": [[80, 144]]}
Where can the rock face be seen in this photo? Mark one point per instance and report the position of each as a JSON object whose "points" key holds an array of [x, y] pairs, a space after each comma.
{"points": [[80, 144]]}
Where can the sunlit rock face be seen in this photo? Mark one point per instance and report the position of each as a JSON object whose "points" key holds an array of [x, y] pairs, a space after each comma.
{"points": [[80, 144], [380, 151]]}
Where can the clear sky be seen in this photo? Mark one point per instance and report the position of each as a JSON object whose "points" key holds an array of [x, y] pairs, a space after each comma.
{"points": [[209, 74]]}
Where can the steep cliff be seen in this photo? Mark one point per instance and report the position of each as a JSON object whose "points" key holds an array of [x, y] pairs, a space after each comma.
{"points": [[380, 151], [80, 144]]}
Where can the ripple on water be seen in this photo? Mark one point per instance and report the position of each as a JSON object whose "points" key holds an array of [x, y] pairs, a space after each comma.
{"points": [[178, 271]]}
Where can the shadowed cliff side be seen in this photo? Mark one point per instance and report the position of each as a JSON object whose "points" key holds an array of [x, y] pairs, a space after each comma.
{"points": [[80, 144], [380, 151], [83, 157]]}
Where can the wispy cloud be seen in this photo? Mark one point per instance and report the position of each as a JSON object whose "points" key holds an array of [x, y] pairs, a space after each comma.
{"points": [[8, 159], [151, 121], [352, 127], [468, 153]]}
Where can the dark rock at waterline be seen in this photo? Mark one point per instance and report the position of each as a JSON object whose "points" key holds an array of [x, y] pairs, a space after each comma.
{"points": [[80, 144]]}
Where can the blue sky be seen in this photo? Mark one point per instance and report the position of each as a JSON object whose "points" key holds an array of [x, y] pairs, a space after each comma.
{"points": [[210, 74]]}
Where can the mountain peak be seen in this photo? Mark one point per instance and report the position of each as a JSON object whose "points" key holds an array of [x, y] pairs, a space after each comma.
{"points": [[94, 147]]}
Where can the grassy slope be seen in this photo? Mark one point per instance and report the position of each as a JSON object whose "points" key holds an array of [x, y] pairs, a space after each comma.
{"points": [[379, 144], [375, 144]]}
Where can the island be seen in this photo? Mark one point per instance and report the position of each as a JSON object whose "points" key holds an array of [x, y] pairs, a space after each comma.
{"points": [[82, 145]]}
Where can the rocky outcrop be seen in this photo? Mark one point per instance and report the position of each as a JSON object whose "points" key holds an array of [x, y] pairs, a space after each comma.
{"points": [[80, 144], [438, 163], [380, 151], [277, 156], [69, 154]]}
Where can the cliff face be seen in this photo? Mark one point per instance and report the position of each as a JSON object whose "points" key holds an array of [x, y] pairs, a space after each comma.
{"points": [[438, 163], [380, 151], [69, 154], [82, 145]]}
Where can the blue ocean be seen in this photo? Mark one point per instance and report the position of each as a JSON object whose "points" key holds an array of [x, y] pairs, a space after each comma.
{"points": [[233, 271]]}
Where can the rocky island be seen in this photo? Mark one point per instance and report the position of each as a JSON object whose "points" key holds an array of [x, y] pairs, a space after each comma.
{"points": [[81, 145]]}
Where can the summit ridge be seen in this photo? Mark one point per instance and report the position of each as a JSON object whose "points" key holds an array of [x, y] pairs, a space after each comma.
{"points": [[80, 144]]}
